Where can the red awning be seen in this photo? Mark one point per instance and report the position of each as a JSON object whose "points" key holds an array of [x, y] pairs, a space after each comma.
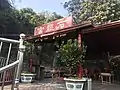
{"points": [[60, 32]]}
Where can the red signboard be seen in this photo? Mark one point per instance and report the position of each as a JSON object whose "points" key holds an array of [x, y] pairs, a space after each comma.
{"points": [[54, 26]]}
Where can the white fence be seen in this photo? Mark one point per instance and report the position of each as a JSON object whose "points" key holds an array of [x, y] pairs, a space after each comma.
{"points": [[10, 68]]}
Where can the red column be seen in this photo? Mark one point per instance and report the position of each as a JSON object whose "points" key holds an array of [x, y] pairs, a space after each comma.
{"points": [[80, 69], [31, 65]]}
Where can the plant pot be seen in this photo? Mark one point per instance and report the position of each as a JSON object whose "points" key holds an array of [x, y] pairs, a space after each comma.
{"points": [[27, 78], [78, 84]]}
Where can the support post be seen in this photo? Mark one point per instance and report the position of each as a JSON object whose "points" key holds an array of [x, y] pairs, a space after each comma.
{"points": [[20, 58], [80, 69]]}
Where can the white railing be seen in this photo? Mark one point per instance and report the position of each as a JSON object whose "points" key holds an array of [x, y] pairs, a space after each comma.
{"points": [[9, 40], [16, 65], [12, 65]]}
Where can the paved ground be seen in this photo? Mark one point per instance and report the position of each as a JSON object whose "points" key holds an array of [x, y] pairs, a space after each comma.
{"points": [[99, 86], [48, 86], [36, 87]]}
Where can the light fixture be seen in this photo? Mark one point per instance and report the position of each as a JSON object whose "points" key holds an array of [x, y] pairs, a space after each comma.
{"points": [[62, 35], [57, 36], [53, 37], [41, 40], [39, 47], [46, 38]]}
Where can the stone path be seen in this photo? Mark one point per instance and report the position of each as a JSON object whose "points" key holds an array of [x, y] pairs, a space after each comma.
{"points": [[49, 86], [99, 86], [36, 87]]}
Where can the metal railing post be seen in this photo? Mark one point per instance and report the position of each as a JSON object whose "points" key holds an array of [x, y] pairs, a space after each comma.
{"points": [[7, 61], [19, 68], [4, 64], [1, 46]]}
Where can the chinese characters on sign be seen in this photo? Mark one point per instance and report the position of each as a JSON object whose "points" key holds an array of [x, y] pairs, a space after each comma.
{"points": [[54, 26]]}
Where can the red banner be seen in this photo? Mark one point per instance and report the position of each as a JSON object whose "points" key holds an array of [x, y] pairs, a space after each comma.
{"points": [[54, 26]]}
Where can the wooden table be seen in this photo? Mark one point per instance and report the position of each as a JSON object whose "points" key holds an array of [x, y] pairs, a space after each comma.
{"points": [[107, 75]]}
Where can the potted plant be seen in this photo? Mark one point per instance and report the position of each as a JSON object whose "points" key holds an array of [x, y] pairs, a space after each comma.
{"points": [[72, 57], [27, 77]]}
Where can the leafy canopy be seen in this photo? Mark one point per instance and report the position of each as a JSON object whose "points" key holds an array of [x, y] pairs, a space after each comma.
{"points": [[14, 22], [70, 55], [97, 11]]}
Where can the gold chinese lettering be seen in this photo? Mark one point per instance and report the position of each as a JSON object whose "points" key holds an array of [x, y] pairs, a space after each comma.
{"points": [[40, 30], [49, 27]]}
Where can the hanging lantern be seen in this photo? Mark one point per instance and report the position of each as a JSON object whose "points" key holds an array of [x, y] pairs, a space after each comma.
{"points": [[79, 40]]}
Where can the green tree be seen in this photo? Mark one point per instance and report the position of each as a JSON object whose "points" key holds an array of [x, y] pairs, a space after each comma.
{"points": [[70, 55], [4, 4], [13, 21], [98, 12]]}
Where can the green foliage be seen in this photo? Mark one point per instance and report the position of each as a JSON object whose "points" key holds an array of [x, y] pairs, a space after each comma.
{"points": [[114, 63], [14, 22], [4, 4], [70, 55], [29, 48], [99, 12]]}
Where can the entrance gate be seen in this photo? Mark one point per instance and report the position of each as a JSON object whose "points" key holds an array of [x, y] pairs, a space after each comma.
{"points": [[10, 68]]}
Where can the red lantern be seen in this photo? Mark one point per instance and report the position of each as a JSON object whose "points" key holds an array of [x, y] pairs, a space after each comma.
{"points": [[79, 40]]}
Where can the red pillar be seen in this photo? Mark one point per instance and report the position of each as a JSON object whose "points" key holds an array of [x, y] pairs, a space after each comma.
{"points": [[31, 65], [80, 69]]}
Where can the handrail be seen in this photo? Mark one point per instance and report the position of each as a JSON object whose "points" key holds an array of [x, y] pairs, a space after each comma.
{"points": [[18, 63], [9, 66], [9, 40]]}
